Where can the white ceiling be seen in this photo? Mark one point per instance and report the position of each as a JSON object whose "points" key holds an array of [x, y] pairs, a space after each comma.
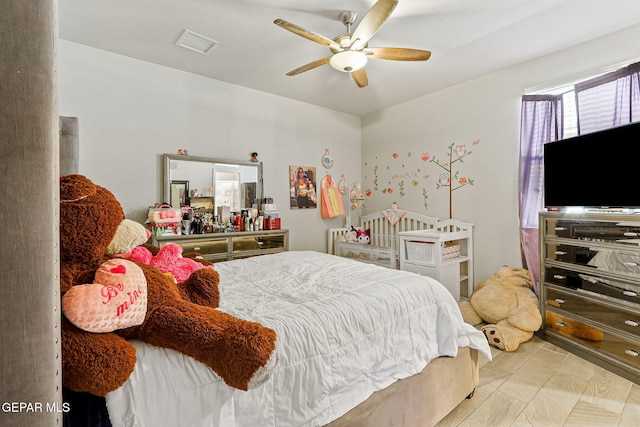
{"points": [[467, 38]]}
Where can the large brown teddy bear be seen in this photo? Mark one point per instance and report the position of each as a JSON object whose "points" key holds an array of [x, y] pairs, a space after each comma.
{"points": [[506, 302], [180, 316]]}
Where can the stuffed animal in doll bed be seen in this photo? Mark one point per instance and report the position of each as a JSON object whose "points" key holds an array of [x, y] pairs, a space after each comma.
{"points": [[354, 235], [363, 236], [351, 236], [108, 300]]}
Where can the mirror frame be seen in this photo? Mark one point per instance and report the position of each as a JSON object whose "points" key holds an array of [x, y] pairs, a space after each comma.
{"points": [[168, 158]]}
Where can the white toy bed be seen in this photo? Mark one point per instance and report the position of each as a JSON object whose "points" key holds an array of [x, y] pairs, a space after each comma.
{"points": [[346, 330], [384, 228]]}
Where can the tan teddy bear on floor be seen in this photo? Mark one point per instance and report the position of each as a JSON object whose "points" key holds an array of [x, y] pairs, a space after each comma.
{"points": [[506, 302]]}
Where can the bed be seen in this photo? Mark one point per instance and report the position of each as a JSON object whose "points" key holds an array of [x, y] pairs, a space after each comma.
{"points": [[414, 385], [353, 343]]}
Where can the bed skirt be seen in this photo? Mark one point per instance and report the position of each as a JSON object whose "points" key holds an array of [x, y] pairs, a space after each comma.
{"points": [[421, 400]]}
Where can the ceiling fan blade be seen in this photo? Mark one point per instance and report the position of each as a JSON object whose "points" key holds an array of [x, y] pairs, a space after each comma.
{"points": [[397, 53], [371, 23], [360, 77], [309, 66], [310, 35]]}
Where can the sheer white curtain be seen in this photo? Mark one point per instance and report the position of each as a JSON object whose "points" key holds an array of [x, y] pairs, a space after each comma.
{"points": [[541, 123]]}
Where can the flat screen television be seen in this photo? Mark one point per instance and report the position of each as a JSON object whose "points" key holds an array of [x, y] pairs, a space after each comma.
{"points": [[598, 170]]}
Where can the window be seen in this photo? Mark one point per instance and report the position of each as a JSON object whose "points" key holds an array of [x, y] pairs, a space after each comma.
{"points": [[610, 100], [601, 102]]}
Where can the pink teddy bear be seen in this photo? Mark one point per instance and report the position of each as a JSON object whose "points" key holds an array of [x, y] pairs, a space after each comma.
{"points": [[169, 260]]}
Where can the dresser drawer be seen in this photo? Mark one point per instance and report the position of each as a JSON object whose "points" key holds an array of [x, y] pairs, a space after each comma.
{"points": [[603, 341], [205, 247], [606, 233], [619, 289], [563, 277], [597, 231], [618, 318], [572, 254], [421, 269], [270, 242], [606, 259]]}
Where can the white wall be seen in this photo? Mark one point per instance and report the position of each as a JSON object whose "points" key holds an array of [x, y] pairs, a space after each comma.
{"points": [[132, 111], [488, 109]]}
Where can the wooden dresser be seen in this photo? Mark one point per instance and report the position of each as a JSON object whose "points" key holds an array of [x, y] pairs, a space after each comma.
{"points": [[590, 287]]}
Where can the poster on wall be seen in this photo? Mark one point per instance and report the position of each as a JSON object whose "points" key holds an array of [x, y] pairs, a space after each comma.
{"points": [[302, 186]]}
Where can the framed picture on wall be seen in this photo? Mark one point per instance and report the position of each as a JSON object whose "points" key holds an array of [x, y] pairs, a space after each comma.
{"points": [[302, 187]]}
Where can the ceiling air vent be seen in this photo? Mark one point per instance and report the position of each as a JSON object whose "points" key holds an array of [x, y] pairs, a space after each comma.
{"points": [[196, 42]]}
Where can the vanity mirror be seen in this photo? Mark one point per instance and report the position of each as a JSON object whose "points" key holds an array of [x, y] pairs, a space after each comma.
{"points": [[204, 182]]}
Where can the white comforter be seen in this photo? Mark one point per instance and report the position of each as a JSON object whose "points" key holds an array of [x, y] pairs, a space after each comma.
{"points": [[345, 329]]}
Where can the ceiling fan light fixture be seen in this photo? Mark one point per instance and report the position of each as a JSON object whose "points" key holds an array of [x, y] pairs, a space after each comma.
{"points": [[348, 61]]}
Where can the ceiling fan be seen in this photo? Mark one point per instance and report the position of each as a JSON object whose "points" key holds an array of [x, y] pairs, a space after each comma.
{"points": [[350, 52]]}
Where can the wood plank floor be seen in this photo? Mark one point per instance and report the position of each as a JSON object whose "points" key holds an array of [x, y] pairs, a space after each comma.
{"points": [[543, 385]]}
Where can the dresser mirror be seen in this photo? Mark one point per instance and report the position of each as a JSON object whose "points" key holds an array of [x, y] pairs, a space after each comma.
{"points": [[208, 183]]}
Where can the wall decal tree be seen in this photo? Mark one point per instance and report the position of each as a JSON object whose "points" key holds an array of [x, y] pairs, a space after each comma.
{"points": [[449, 178]]}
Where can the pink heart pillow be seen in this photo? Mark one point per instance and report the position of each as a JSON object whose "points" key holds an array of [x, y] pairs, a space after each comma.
{"points": [[116, 299]]}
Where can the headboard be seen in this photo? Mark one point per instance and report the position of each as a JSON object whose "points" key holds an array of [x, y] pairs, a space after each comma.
{"points": [[383, 232], [69, 145]]}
